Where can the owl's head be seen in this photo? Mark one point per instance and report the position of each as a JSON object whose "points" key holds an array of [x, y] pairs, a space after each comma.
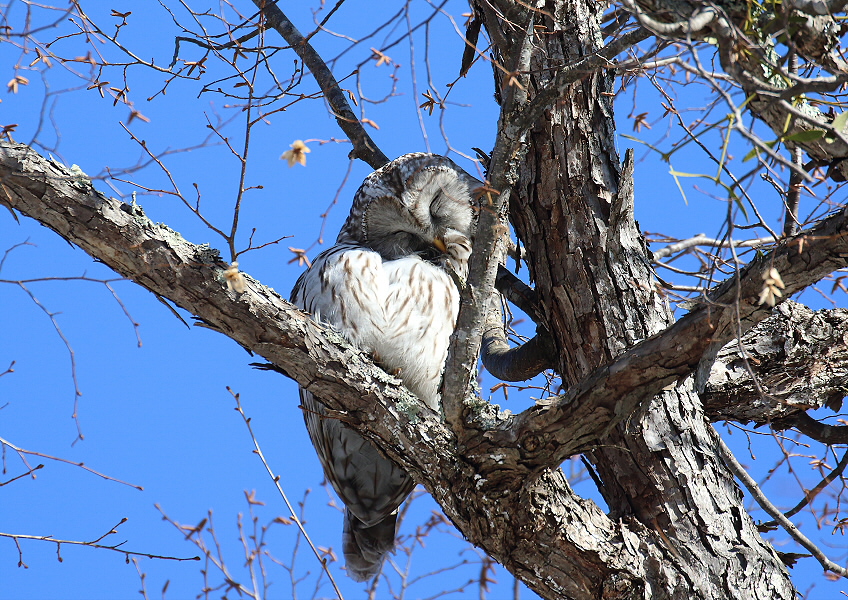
{"points": [[410, 204]]}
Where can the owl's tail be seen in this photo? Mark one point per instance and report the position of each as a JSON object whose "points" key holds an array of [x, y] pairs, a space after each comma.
{"points": [[365, 547]]}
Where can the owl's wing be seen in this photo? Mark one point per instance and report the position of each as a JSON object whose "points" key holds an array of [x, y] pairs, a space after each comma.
{"points": [[369, 484], [371, 487]]}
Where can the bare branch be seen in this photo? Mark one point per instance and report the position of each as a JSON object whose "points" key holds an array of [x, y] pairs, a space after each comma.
{"points": [[279, 487], [548, 433], [92, 544], [696, 22], [775, 513], [810, 495], [363, 146], [821, 432], [793, 361], [21, 452], [489, 243], [703, 240], [514, 364], [519, 293]]}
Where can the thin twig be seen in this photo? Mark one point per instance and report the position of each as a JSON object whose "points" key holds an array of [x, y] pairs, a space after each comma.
{"points": [[775, 512], [93, 544], [702, 240], [810, 495], [276, 480], [21, 451]]}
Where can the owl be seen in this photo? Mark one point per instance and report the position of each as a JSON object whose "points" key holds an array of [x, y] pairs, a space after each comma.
{"points": [[386, 286]]}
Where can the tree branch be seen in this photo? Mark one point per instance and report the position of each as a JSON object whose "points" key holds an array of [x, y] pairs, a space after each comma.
{"points": [[519, 293], [574, 72], [793, 361], [363, 146], [747, 61], [579, 547], [543, 436], [703, 240], [821, 432], [774, 512], [92, 544], [521, 362], [464, 349], [810, 495], [818, 7]]}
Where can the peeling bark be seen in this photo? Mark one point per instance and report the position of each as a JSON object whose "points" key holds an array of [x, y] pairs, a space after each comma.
{"points": [[795, 360]]}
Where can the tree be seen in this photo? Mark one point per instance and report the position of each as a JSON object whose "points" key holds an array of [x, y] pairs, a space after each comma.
{"points": [[641, 384]]}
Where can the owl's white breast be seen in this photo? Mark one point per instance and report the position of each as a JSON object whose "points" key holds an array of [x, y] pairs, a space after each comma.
{"points": [[403, 311]]}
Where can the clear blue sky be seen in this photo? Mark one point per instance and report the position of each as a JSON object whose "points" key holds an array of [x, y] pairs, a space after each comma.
{"points": [[159, 415]]}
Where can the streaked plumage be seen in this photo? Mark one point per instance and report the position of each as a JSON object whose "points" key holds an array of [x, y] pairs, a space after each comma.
{"points": [[385, 285]]}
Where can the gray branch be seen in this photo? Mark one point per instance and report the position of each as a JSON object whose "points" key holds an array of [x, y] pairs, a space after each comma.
{"points": [[693, 24], [774, 512], [519, 293], [754, 69], [519, 363], [489, 244], [529, 359], [821, 432], [793, 361], [703, 240], [545, 435], [363, 146]]}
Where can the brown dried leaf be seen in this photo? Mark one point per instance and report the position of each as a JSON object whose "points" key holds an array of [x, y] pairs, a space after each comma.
{"points": [[297, 154]]}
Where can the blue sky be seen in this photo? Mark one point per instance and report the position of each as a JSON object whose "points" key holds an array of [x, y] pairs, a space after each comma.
{"points": [[160, 415]]}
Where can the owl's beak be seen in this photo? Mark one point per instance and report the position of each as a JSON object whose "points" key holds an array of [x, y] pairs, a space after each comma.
{"points": [[440, 245]]}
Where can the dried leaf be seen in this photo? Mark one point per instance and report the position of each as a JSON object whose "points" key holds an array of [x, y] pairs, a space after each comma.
{"points": [[429, 104], [235, 280], [641, 120], [297, 154], [17, 80], [251, 498], [382, 59], [300, 257], [134, 114]]}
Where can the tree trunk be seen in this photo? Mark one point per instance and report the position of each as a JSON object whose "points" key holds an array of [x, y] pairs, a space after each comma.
{"points": [[573, 212]]}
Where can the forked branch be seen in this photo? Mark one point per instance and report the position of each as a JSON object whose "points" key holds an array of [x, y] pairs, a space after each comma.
{"points": [[540, 437]]}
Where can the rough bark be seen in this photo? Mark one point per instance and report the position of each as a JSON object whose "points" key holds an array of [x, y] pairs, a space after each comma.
{"points": [[660, 467], [523, 522], [558, 543], [795, 360]]}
